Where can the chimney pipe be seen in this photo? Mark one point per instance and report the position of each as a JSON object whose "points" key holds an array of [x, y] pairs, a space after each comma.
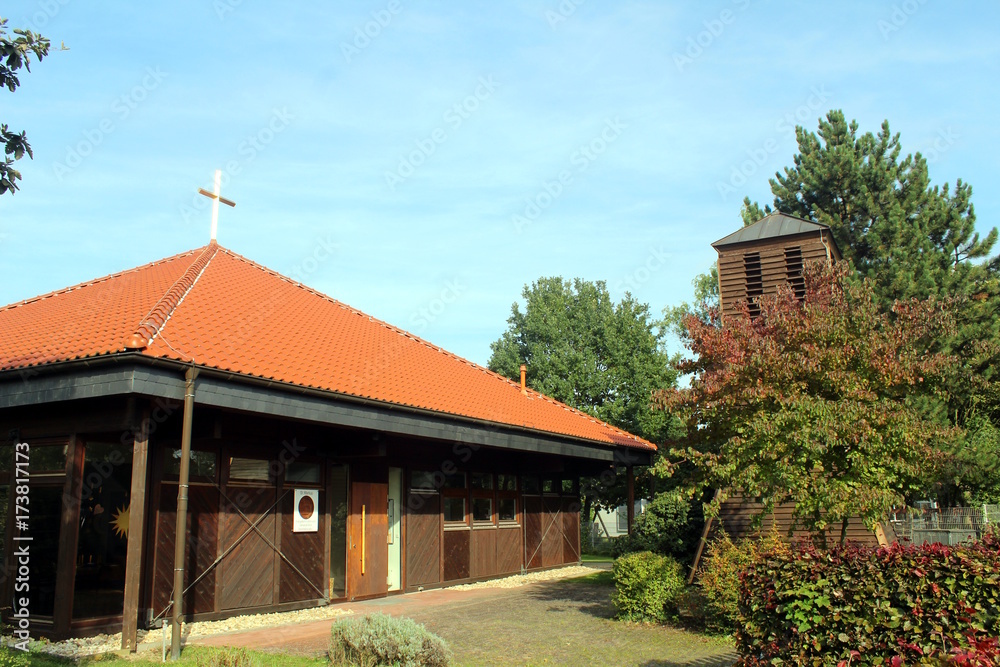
{"points": [[524, 373]]}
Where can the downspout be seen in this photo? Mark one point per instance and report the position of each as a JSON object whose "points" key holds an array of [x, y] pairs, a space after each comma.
{"points": [[177, 610]]}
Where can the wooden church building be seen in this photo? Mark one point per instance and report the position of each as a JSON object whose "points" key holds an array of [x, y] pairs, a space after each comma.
{"points": [[753, 262], [328, 456]]}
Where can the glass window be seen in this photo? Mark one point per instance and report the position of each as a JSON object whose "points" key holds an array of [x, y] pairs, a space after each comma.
{"points": [[454, 481], [104, 523], [569, 486], [507, 482], [482, 510], [303, 473], [549, 485], [338, 532], [249, 470], [530, 484], [48, 459], [454, 509], [482, 481], [422, 479], [507, 509], [202, 464]]}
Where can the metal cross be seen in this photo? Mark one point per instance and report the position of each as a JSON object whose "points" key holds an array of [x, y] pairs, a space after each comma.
{"points": [[216, 198]]}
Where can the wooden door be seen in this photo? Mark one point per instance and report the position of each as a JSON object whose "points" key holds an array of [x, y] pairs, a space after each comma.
{"points": [[367, 532]]}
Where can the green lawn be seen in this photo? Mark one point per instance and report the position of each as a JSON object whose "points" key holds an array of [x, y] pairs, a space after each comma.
{"points": [[194, 656], [596, 558]]}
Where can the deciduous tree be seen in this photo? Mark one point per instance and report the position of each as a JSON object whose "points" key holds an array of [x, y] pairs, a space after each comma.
{"points": [[817, 402], [15, 54]]}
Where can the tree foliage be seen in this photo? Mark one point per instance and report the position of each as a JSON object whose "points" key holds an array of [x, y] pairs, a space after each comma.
{"points": [[817, 402], [15, 54], [600, 357]]}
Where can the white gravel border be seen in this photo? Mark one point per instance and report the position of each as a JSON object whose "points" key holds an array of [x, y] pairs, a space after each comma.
{"points": [[148, 639]]}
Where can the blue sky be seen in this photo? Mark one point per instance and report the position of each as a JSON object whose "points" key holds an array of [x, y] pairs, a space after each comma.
{"points": [[423, 161]]}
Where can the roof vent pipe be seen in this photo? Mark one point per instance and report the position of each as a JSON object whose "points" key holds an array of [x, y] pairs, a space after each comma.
{"points": [[524, 373]]}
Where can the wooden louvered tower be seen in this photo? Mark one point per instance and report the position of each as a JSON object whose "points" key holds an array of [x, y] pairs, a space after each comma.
{"points": [[756, 259]]}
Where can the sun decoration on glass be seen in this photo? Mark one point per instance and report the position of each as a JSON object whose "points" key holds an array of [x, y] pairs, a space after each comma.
{"points": [[120, 522]]}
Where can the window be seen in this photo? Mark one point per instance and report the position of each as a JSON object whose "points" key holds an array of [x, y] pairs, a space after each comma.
{"points": [[530, 485], [482, 481], [249, 470], [550, 485], [507, 509], [454, 510], [201, 468], [454, 481], [793, 270], [506, 483], [298, 472], [622, 516], [755, 281], [570, 486], [482, 510], [423, 480]]}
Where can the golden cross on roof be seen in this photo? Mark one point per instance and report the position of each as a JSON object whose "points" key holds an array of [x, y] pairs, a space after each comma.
{"points": [[216, 198]]}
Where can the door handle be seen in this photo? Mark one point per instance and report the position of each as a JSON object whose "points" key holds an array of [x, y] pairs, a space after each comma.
{"points": [[363, 539]]}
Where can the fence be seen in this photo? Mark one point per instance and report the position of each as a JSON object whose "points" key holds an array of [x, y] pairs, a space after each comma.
{"points": [[950, 525]]}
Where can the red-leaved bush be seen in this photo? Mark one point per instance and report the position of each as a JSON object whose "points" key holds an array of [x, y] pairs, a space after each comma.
{"points": [[856, 605]]}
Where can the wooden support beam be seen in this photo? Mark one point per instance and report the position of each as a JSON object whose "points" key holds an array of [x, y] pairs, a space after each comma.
{"points": [[68, 535], [630, 480], [136, 533]]}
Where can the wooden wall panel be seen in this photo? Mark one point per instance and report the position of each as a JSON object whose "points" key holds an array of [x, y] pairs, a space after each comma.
{"points": [[247, 572], [533, 531], [571, 530], [484, 553], [423, 540], [200, 548], [510, 550], [456, 554], [552, 533], [736, 518], [305, 551]]}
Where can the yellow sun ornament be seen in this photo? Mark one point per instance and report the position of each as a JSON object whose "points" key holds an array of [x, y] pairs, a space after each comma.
{"points": [[120, 522]]}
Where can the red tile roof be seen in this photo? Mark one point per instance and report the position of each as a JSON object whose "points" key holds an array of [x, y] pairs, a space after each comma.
{"points": [[216, 309]]}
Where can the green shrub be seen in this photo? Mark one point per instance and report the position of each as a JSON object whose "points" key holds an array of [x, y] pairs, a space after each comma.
{"points": [[724, 563], [379, 639], [647, 586], [668, 526], [11, 657], [873, 606], [230, 657]]}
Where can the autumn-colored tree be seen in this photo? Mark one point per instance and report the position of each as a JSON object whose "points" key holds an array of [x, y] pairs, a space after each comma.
{"points": [[821, 402]]}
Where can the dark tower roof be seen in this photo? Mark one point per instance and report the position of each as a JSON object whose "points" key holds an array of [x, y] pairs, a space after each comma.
{"points": [[772, 226]]}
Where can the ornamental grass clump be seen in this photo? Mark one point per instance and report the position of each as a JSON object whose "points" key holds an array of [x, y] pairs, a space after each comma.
{"points": [[647, 586], [379, 639]]}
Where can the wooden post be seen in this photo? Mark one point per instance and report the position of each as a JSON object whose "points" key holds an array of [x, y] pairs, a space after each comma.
{"points": [[136, 530], [630, 480], [180, 535], [68, 536]]}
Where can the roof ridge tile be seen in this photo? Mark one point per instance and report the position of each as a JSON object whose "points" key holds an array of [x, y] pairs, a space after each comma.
{"points": [[161, 310]]}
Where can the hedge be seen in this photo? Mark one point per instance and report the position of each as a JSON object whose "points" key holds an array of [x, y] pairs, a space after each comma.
{"points": [[855, 605]]}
